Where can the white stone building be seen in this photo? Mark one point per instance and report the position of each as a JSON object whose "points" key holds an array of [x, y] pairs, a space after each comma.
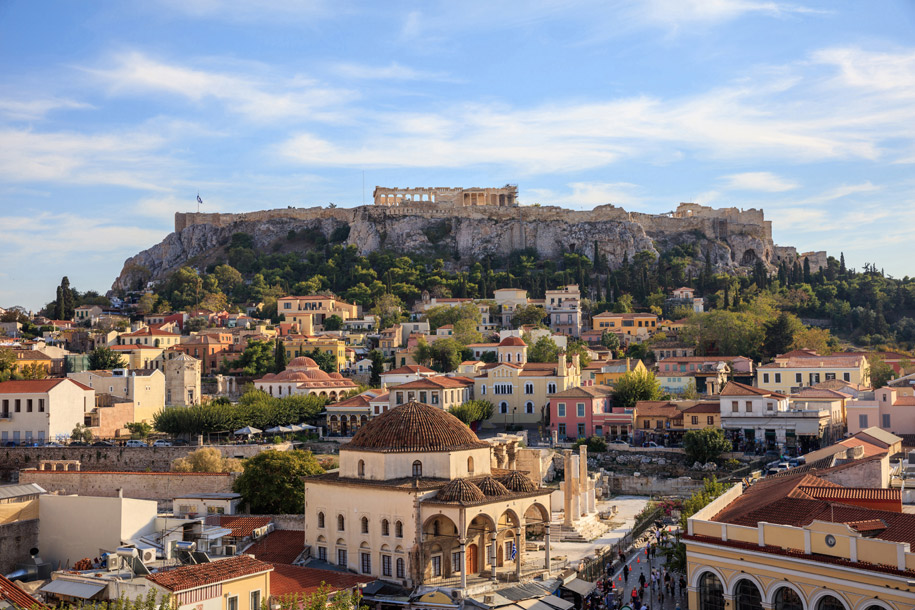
{"points": [[40, 410]]}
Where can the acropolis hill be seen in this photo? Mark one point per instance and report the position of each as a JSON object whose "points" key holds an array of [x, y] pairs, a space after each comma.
{"points": [[468, 224]]}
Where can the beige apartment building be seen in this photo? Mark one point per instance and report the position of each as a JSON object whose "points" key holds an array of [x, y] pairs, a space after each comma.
{"points": [[309, 312], [41, 410], [144, 387], [790, 372]]}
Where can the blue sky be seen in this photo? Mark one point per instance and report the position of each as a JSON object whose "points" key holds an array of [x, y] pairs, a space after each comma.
{"points": [[113, 115]]}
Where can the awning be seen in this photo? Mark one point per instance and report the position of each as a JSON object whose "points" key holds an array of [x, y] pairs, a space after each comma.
{"points": [[579, 586], [557, 602], [72, 588]]}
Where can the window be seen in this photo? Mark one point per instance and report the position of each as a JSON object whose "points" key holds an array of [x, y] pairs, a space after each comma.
{"points": [[385, 565], [321, 520], [885, 420], [829, 376], [18, 405], [581, 430], [255, 600], [483, 390], [529, 407], [711, 420], [322, 553], [765, 377], [434, 397], [695, 420], [341, 522], [422, 397], [436, 565], [365, 525], [417, 468], [232, 603], [400, 565], [749, 406], [561, 430], [470, 465], [528, 388], [398, 529], [734, 406], [770, 406], [341, 558], [456, 561], [862, 421], [646, 424], [846, 376], [28, 405], [814, 378], [366, 562], [778, 378], [561, 409], [799, 378], [385, 527], [503, 407], [361, 468], [551, 388], [581, 409]]}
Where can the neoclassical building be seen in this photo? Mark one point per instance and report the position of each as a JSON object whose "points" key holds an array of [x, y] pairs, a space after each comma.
{"points": [[417, 501], [303, 377]]}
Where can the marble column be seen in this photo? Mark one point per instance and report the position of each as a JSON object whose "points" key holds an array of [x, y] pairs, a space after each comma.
{"points": [[567, 485], [493, 553], [583, 481], [575, 489], [519, 550], [463, 563], [547, 548]]}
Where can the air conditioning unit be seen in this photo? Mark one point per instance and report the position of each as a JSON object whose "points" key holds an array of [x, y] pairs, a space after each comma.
{"points": [[229, 550], [147, 555]]}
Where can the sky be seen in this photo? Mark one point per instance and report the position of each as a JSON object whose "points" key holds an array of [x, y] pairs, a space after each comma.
{"points": [[114, 115]]}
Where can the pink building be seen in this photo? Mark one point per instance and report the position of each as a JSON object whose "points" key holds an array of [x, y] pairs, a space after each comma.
{"points": [[892, 409], [587, 411]]}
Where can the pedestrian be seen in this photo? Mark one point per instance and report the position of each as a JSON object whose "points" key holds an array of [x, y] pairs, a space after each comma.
{"points": [[661, 597], [635, 596], [626, 574], [642, 579]]}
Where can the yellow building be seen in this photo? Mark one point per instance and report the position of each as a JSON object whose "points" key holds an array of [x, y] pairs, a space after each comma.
{"points": [[140, 356], [702, 415], [799, 542], [150, 336], [300, 345], [638, 325], [236, 583], [608, 372], [802, 368], [310, 312]]}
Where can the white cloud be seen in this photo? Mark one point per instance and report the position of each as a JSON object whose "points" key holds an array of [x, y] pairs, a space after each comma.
{"points": [[37, 108], [676, 13], [586, 195], [758, 181], [392, 72], [263, 97], [252, 10]]}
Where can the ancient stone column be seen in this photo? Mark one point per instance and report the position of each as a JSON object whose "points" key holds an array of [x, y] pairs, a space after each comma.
{"points": [[519, 550], [547, 548], [575, 489], [567, 485], [492, 556], [463, 563]]}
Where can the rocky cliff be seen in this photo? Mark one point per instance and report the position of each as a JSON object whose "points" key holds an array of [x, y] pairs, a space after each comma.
{"points": [[733, 239]]}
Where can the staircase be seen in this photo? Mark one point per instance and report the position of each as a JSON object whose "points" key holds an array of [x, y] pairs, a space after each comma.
{"points": [[585, 529]]}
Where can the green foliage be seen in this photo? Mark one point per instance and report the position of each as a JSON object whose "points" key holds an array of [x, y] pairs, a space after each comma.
{"points": [[528, 315], [327, 362], [104, 358], [779, 334], [322, 599], [272, 481], [377, 359], [543, 350], [446, 354], [881, 372], [634, 386], [705, 445], [577, 346], [596, 444], [388, 310], [139, 429], [473, 411], [610, 340], [257, 360], [255, 408], [699, 500], [441, 315], [279, 357], [81, 433], [340, 234], [489, 357], [333, 322]]}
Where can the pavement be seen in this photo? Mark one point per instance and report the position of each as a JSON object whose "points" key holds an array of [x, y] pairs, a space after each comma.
{"points": [[627, 507], [639, 563]]}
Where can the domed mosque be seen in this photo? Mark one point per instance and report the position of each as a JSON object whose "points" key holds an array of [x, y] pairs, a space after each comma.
{"points": [[417, 500], [303, 376]]}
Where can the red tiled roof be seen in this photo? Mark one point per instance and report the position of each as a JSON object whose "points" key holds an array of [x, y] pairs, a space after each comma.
{"points": [[291, 580], [819, 393], [815, 362], [12, 593], [592, 391], [869, 525], [35, 386], [242, 527], [704, 407], [732, 388], [150, 332], [279, 546], [512, 341], [192, 576], [870, 449], [409, 369], [655, 408], [904, 401], [433, 383], [852, 493]]}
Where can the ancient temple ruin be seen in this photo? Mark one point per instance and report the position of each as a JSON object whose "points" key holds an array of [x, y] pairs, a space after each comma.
{"points": [[505, 196]]}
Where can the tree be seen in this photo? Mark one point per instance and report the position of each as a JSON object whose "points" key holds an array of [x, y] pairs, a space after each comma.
{"points": [[705, 445], [465, 332], [579, 347], [139, 429], [256, 361], [333, 322], [279, 356], [543, 350], [206, 459], [103, 358], [228, 277], [610, 340], [779, 334], [195, 325], [623, 304], [634, 386], [388, 310], [64, 308], [440, 315], [147, 303], [377, 359], [528, 315], [489, 357], [881, 372], [81, 433], [322, 599], [446, 355], [819, 340], [473, 411], [271, 482], [326, 361]]}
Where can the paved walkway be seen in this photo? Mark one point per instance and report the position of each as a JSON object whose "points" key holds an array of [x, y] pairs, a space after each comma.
{"points": [[627, 508]]}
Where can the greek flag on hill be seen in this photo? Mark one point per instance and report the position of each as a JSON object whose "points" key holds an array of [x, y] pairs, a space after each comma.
{"points": [[199, 200]]}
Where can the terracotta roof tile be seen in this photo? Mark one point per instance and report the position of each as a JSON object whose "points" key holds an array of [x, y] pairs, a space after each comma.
{"points": [[192, 576], [292, 580], [15, 595], [414, 427], [279, 546], [242, 527], [732, 388], [35, 386], [460, 490]]}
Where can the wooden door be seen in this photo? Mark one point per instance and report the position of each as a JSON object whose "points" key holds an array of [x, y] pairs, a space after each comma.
{"points": [[473, 553]]}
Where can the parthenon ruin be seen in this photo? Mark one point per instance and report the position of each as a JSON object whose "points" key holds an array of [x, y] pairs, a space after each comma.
{"points": [[505, 196]]}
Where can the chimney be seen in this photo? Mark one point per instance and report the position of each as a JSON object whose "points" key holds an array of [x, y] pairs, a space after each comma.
{"points": [[856, 452], [120, 492]]}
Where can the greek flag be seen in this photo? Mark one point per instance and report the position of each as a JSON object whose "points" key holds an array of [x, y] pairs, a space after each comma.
{"points": [[199, 200], [514, 551]]}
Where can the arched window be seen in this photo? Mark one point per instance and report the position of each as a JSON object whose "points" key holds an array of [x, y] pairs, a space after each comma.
{"points": [[435, 528], [529, 407], [385, 527], [829, 602], [321, 520], [400, 570], [528, 388], [340, 523], [747, 596], [470, 465], [711, 592], [788, 599], [417, 468], [551, 388], [365, 525], [361, 468], [398, 529], [503, 407]]}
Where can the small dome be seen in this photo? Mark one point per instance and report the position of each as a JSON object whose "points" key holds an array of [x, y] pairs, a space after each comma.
{"points": [[518, 482], [302, 362], [491, 487], [414, 427], [318, 374], [336, 376], [460, 490], [512, 342], [294, 376]]}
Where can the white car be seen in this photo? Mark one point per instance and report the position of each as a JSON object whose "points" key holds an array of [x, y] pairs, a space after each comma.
{"points": [[135, 443], [162, 443]]}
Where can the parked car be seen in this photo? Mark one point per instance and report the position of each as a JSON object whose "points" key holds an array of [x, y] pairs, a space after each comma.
{"points": [[78, 444], [103, 444], [162, 443], [135, 443], [651, 444], [618, 442], [180, 442], [11, 444]]}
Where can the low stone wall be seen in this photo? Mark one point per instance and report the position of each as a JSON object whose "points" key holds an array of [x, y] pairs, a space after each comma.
{"points": [[650, 486], [15, 541], [130, 459], [140, 485]]}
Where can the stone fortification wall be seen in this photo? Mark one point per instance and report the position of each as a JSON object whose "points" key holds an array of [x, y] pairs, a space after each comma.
{"points": [[139, 485], [118, 459]]}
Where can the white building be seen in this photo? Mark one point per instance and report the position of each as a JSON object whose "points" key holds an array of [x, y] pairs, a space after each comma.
{"points": [[39, 410], [145, 387]]}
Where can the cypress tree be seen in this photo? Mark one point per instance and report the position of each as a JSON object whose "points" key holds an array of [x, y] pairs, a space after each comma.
{"points": [[279, 357]]}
